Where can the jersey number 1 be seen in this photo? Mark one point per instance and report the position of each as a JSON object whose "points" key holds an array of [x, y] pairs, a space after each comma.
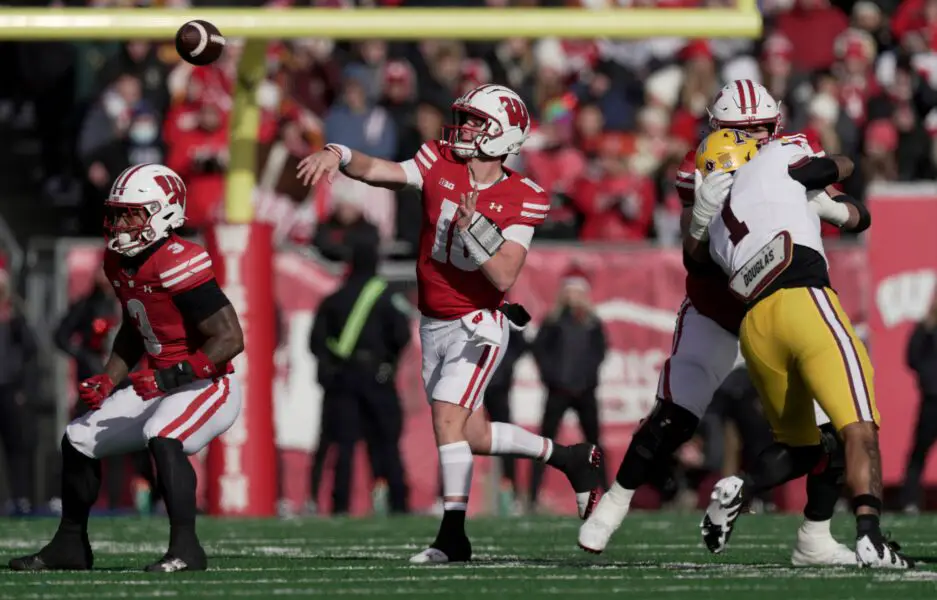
{"points": [[138, 312], [448, 246], [737, 229]]}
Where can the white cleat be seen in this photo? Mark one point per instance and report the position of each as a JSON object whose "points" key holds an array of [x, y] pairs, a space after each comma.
{"points": [[820, 549], [880, 554], [430, 556], [724, 508], [602, 523]]}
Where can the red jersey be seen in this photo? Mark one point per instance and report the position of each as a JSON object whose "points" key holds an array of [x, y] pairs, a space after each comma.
{"points": [[708, 290], [450, 285], [147, 292]]}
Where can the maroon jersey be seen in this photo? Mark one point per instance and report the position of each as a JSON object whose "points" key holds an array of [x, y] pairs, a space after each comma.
{"points": [[450, 285], [708, 290], [146, 294]]}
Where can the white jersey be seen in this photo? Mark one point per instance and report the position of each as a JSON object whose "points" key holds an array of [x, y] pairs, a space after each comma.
{"points": [[764, 201]]}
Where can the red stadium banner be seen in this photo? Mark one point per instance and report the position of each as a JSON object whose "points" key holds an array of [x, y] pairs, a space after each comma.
{"points": [[636, 292], [902, 254], [241, 468]]}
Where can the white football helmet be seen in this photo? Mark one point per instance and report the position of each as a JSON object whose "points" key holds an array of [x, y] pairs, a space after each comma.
{"points": [[145, 204], [504, 128], [742, 103]]}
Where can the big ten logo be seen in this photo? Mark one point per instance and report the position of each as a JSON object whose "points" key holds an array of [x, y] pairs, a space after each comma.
{"points": [[627, 387], [905, 296], [232, 244]]}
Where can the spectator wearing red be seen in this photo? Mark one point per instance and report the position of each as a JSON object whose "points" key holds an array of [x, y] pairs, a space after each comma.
{"points": [[811, 26], [617, 204], [199, 154]]}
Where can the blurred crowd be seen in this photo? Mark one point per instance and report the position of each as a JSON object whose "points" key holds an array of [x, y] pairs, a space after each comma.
{"points": [[612, 119]]}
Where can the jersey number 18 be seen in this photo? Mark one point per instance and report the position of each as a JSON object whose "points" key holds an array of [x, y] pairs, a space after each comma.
{"points": [[448, 246]]}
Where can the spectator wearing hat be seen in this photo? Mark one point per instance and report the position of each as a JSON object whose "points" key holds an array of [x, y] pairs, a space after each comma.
{"points": [[199, 154], [616, 204], [357, 122], [569, 349], [346, 226]]}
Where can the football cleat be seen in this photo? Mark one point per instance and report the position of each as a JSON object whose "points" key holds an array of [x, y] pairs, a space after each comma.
{"points": [[725, 506], [814, 550], [875, 552], [172, 564], [596, 532], [457, 551], [71, 555], [585, 475]]}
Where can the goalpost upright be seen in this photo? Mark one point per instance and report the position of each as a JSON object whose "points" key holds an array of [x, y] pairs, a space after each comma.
{"points": [[241, 464]]}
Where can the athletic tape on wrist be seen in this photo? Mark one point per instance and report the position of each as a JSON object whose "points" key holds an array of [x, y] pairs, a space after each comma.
{"points": [[482, 238], [343, 152]]}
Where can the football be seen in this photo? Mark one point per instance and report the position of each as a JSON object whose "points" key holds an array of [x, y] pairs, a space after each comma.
{"points": [[199, 43]]}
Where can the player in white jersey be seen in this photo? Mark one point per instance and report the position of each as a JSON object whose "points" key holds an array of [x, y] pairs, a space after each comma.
{"points": [[797, 341]]}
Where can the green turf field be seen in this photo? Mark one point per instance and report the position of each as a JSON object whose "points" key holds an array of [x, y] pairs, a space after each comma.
{"points": [[654, 556]]}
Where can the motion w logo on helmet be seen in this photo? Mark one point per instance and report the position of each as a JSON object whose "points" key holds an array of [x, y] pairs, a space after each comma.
{"points": [[516, 111], [173, 187]]}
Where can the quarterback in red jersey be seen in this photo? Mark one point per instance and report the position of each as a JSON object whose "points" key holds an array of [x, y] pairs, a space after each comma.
{"points": [[176, 316], [706, 348], [478, 221]]}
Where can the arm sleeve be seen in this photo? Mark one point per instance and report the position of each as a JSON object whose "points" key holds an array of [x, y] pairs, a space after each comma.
{"points": [[814, 173], [199, 303]]}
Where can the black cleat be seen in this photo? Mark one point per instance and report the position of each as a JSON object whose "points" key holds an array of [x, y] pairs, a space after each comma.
{"points": [[584, 471], [57, 556], [171, 564]]}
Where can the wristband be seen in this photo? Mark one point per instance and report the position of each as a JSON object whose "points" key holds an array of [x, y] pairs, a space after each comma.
{"points": [[343, 152], [482, 239], [202, 366]]}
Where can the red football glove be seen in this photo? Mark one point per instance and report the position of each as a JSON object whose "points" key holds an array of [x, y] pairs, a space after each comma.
{"points": [[94, 390], [145, 385]]}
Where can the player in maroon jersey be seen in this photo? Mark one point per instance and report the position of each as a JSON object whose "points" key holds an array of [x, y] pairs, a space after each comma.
{"points": [[176, 316], [705, 350], [478, 221]]}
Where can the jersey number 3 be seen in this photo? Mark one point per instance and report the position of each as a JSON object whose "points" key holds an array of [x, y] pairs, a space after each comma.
{"points": [[737, 229], [448, 246], [138, 312]]}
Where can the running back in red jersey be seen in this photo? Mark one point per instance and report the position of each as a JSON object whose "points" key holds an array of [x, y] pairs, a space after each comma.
{"points": [[146, 293], [450, 284]]}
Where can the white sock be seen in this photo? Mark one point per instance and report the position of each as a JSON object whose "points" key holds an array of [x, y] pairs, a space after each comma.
{"points": [[508, 439], [455, 462], [620, 495], [816, 528]]}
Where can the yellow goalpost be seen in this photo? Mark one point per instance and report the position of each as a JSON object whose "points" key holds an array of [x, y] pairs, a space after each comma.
{"points": [[258, 25]]}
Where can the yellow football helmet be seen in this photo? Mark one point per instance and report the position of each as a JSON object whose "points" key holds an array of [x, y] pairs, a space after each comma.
{"points": [[725, 150]]}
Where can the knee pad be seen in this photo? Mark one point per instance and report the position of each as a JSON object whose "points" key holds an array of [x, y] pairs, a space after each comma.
{"points": [[665, 429]]}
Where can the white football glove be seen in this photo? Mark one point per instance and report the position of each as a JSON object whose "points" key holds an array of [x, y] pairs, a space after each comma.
{"points": [[709, 195], [826, 208]]}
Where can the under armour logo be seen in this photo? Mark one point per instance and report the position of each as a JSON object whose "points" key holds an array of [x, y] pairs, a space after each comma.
{"points": [[477, 319], [116, 284], [206, 369], [130, 283], [148, 289], [495, 207]]}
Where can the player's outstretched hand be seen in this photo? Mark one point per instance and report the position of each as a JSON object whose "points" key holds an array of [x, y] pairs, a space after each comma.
{"points": [[145, 385], [313, 167], [95, 390], [466, 209]]}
